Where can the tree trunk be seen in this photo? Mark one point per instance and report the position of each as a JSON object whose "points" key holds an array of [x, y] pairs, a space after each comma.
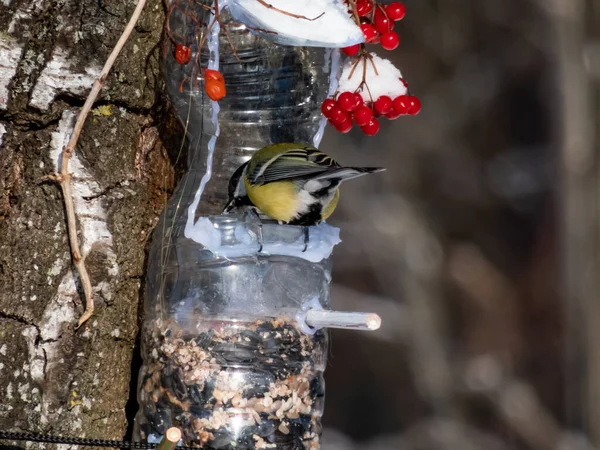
{"points": [[54, 378]]}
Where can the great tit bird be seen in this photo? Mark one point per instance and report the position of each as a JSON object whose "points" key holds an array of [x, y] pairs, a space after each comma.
{"points": [[294, 184]]}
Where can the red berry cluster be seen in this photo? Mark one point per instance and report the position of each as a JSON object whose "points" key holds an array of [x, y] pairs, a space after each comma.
{"points": [[349, 107], [377, 24]]}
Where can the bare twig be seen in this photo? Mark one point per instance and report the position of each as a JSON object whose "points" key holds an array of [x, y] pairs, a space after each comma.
{"points": [[224, 27], [64, 178], [268, 5]]}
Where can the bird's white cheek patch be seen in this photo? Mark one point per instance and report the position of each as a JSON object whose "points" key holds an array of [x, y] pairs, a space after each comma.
{"points": [[305, 199], [315, 185]]}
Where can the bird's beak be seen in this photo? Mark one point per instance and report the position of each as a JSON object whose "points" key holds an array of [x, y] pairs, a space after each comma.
{"points": [[229, 206]]}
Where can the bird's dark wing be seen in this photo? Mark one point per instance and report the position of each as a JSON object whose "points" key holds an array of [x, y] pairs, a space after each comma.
{"points": [[294, 164], [236, 182]]}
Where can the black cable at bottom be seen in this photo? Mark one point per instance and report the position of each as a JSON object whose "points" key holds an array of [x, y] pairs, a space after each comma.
{"points": [[50, 439]]}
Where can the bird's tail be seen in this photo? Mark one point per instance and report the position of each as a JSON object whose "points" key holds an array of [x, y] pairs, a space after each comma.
{"points": [[348, 173]]}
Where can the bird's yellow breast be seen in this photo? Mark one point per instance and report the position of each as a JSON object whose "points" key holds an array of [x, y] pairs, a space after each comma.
{"points": [[330, 207], [278, 200]]}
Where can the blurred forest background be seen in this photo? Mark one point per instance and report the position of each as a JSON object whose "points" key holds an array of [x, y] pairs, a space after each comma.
{"points": [[479, 245]]}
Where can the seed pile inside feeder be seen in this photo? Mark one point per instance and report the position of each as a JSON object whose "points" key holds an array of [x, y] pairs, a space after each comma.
{"points": [[237, 386]]}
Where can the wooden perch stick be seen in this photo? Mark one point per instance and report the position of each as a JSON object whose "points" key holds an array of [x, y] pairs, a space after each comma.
{"points": [[170, 439], [64, 178]]}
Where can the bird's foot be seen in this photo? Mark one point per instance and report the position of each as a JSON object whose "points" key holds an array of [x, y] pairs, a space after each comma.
{"points": [[253, 220], [305, 230], [260, 238]]}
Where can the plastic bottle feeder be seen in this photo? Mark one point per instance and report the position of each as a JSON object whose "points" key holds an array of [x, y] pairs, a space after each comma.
{"points": [[234, 341]]}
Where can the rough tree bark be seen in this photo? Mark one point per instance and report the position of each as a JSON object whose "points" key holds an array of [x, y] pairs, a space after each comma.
{"points": [[52, 377]]}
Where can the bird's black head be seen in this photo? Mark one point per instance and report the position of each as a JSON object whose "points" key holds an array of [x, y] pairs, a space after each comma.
{"points": [[237, 191]]}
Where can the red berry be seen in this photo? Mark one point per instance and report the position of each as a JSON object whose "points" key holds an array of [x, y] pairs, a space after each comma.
{"points": [[395, 11], [389, 41], [401, 104], [352, 50], [213, 75], [344, 127], [363, 7], [183, 54], [215, 90], [381, 22], [337, 116], [371, 128], [393, 115], [327, 106], [383, 105], [348, 101], [369, 32], [362, 115], [414, 107], [358, 99]]}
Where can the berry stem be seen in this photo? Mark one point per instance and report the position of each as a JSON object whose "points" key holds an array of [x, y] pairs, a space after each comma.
{"points": [[364, 78], [354, 11], [354, 65], [382, 9], [370, 58]]}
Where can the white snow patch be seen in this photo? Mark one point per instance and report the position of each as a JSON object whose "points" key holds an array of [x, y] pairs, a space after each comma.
{"points": [[115, 333], [36, 354], [76, 423], [65, 447], [9, 391], [1, 367], [10, 54], [59, 310], [58, 76], [334, 27], [26, 11], [24, 390], [57, 267], [2, 133], [278, 240], [6, 2], [3, 349], [387, 80]]}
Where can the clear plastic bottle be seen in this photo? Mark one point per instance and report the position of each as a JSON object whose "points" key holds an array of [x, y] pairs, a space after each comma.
{"points": [[225, 359]]}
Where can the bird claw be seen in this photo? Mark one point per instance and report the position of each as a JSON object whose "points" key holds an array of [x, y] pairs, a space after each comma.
{"points": [[305, 230], [252, 217], [260, 238]]}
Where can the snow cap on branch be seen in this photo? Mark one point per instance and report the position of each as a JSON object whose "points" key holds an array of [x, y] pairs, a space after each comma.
{"points": [[386, 80]]}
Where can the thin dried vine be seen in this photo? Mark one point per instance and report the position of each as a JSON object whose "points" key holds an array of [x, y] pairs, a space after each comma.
{"points": [[64, 177]]}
